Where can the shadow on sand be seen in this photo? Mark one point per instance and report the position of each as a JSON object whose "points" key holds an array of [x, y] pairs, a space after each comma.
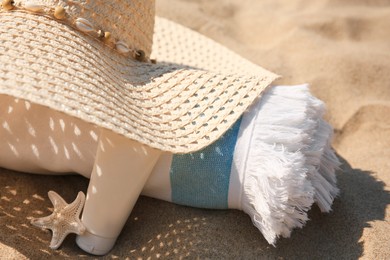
{"points": [[159, 229]]}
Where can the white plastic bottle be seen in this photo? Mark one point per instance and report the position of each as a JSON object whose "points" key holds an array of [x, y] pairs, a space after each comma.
{"points": [[121, 169]]}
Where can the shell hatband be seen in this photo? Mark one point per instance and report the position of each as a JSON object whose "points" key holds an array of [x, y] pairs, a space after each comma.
{"points": [[81, 24]]}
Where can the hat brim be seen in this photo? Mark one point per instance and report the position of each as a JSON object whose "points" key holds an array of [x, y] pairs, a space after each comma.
{"points": [[181, 104]]}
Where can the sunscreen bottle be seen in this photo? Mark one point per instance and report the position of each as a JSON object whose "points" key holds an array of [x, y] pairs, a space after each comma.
{"points": [[122, 167]]}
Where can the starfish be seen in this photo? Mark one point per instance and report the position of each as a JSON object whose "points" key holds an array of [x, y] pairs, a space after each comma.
{"points": [[64, 220]]}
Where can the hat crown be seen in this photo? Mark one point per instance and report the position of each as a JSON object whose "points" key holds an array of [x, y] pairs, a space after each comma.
{"points": [[129, 21]]}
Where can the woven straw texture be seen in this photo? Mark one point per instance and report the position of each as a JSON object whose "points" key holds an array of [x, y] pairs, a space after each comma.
{"points": [[181, 104], [131, 21]]}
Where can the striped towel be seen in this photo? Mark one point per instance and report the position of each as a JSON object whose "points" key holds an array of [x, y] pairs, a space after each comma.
{"points": [[273, 164]]}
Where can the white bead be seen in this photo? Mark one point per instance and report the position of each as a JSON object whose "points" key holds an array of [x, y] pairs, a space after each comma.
{"points": [[33, 7], [122, 47], [84, 25]]}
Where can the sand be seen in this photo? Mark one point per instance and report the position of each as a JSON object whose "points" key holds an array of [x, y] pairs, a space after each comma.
{"points": [[342, 49]]}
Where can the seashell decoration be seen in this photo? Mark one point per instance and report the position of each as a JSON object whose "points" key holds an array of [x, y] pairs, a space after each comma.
{"points": [[59, 13], [84, 25], [34, 7], [122, 47]]}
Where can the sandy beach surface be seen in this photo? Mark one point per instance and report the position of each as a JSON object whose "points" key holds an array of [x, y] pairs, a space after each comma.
{"points": [[342, 48]]}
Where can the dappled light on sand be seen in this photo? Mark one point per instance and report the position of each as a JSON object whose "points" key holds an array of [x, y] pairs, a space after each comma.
{"points": [[159, 229], [340, 47]]}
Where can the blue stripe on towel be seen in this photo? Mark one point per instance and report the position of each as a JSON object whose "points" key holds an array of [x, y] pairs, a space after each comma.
{"points": [[201, 179]]}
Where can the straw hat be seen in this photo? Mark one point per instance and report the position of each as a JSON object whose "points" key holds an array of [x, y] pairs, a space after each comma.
{"points": [[93, 60]]}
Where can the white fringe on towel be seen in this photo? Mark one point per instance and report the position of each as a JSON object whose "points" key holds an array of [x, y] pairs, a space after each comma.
{"points": [[289, 161]]}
